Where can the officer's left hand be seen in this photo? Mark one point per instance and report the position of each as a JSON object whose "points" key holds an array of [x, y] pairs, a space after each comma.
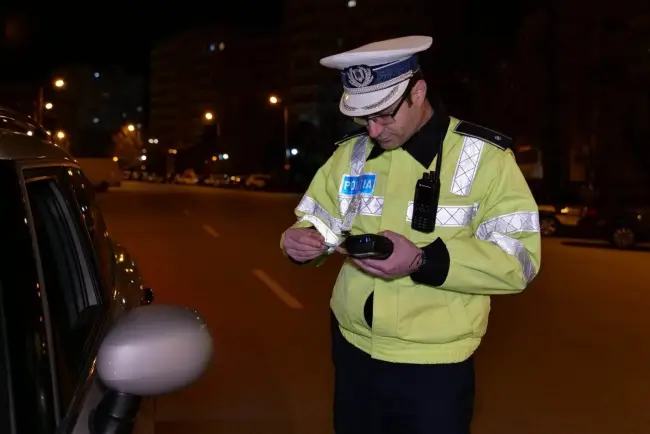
{"points": [[405, 259]]}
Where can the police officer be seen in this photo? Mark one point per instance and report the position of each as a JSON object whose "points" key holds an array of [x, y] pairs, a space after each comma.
{"points": [[463, 224]]}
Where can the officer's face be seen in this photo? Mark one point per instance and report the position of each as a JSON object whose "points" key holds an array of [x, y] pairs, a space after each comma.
{"points": [[392, 127]]}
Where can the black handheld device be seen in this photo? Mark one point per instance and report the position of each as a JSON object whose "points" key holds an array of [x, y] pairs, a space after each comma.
{"points": [[427, 194], [425, 203], [368, 246]]}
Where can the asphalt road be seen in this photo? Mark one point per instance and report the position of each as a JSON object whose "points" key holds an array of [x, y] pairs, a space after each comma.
{"points": [[569, 356]]}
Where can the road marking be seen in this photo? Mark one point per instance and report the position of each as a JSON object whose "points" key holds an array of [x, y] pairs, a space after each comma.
{"points": [[210, 231], [186, 212], [274, 286]]}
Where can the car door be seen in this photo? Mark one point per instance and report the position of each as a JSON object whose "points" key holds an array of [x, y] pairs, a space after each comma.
{"points": [[77, 272], [28, 397], [54, 304], [76, 299], [76, 277]]}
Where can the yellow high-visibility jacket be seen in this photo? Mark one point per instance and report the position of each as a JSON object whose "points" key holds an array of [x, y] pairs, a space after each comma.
{"points": [[486, 242]]}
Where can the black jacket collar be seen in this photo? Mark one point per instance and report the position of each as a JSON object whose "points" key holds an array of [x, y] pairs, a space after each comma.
{"points": [[423, 145]]}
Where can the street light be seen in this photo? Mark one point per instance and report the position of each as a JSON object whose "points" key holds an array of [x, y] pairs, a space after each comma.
{"points": [[115, 159], [225, 156], [274, 100], [130, 127], [208, 116], [48, 106], [58, 83], [60, 134]]}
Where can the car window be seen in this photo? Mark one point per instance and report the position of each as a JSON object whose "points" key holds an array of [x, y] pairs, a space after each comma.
{"points": [[69, 280], [95, 225], [24, 338]]}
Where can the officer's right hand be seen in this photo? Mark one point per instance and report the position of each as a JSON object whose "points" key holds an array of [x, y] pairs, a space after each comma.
{"points": [[303, 244]]}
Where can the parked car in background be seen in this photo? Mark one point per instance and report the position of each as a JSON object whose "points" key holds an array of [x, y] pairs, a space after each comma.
{"points": [[554, 219], [188, 177], [624, 225], [257, 181]]}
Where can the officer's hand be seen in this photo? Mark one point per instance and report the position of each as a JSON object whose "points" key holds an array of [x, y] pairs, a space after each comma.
{"points": [[405, 259], [303, 244]]}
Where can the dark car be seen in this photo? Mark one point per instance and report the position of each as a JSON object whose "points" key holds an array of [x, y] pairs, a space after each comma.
{"points": [[622, 224], [81, 345]]}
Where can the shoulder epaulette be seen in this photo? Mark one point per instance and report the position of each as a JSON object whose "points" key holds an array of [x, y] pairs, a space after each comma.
{"points": [[493, 137], [356, 133]]}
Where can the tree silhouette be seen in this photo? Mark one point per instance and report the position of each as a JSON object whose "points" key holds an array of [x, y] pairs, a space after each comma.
{"points": [[128, 145]]}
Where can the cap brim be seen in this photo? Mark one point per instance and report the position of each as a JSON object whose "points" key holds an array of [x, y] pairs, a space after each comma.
{"points": [[364, 104]]}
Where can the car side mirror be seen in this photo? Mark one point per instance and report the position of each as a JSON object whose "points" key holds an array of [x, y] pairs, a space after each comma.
{"points": [[153, 350]]}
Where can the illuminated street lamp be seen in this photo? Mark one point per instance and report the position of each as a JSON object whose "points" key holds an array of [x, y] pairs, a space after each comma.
{"points": [[58, 83], [274, 100], [60, 135], [49, 106], [115, 159], [208, 116], [130, 127], [225, 156]]}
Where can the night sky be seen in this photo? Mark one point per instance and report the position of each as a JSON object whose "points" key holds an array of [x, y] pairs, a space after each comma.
{"points": [[39, 36]]}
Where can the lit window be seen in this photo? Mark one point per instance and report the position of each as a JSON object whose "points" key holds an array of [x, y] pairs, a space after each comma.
{"points": [[95, 120], [213, 47], [96, 75], [222, 46], [352, 3]]}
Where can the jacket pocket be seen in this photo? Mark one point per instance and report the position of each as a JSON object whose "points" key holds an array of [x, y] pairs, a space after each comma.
{"points": [[349, 298], [432, 316]]}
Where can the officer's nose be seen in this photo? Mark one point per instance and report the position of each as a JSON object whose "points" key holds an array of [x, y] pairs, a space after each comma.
{"points": [[374, 129]]}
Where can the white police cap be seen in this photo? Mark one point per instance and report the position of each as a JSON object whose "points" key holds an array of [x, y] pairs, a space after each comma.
{"points": [[376, 75]]}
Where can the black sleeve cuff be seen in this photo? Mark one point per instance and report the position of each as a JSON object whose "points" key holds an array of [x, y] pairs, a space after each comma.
{"points": [[435, 268]]}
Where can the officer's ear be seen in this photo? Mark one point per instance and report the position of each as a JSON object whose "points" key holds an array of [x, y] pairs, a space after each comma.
{"points": [[419, 92]]}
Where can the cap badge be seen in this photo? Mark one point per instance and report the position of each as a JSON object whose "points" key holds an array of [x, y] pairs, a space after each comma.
{"points": [[360, 76]]}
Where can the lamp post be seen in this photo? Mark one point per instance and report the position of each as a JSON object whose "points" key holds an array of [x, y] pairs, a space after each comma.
{"points": [[209, 118], [274, 100], [58, 83]]}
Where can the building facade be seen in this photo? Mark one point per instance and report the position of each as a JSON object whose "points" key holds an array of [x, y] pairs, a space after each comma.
{"points": [[209, 94], [598, 61], [92, 105]]}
